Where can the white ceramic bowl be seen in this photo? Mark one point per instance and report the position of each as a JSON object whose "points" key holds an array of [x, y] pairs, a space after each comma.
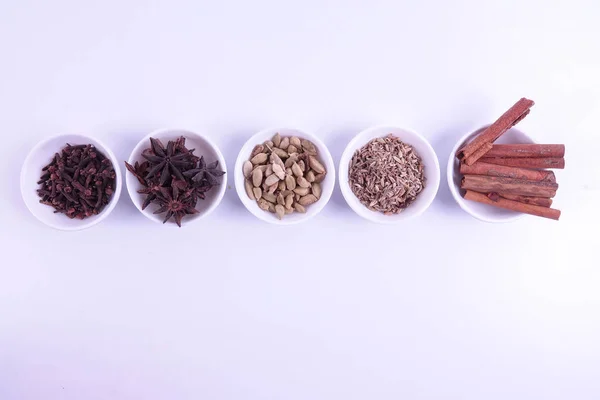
{"points": [[203, 147], [294, 218], [480, 211], [38, 158], [423, 149]]}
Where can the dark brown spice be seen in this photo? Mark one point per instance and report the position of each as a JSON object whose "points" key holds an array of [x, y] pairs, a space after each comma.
{"points": [[174, 178], [79, 182]]}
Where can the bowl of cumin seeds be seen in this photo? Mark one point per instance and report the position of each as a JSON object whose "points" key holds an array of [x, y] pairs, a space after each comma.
{"points": [[389, 174]]}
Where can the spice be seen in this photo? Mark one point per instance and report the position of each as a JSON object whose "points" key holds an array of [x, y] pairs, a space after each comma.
{"points": [[533, 163], [482, 144], [482, 168], [527, 151], [386, 175], [79, 181], [173, 178], [283, 187], [501, 202], [511, 176], [487, 184]]}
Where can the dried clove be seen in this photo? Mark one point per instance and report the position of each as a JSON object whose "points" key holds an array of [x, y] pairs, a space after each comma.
{"points": [[68, 182]]}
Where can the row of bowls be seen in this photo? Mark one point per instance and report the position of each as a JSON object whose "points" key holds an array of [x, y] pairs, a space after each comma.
{"points": [[41, 154]]}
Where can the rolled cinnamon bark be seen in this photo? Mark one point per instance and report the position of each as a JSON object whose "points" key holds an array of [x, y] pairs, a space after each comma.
{"points": [[482, 168], [488, 184], [527, 151], [536, 201], [477, 147], [514, 205], [535, 163]]}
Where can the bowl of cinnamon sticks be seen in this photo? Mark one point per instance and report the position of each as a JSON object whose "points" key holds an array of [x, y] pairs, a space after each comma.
{"points": [[498, 174]]}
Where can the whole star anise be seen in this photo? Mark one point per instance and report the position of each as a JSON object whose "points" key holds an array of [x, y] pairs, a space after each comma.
{"points": [[174, 204], [174, 178], [165, 160], [205, 174]]}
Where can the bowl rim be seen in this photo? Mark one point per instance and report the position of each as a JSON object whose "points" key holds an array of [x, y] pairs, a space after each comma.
{"points": [[455, 191], [111, 204], [130, 179], [251, 205], [349, 196]]}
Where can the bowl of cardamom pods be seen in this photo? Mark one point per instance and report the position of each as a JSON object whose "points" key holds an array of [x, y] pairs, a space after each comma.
{"points": [[284, 176]]}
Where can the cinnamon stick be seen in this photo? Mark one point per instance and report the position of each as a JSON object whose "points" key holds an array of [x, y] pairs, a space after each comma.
{"points": [[487, 184], [514, 205], [537, 201], [535, 163], [527, 151], [476, 148], [482, 168]]}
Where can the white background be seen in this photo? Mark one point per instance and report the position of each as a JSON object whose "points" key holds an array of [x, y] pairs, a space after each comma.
{"points": [[441, 307]]}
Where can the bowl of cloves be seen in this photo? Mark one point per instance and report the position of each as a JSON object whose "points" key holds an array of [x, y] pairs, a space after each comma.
{"points": [[175, 176], [70, 182]]}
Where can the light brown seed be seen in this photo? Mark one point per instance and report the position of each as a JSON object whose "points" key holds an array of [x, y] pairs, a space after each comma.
{"points": [[272, 188], [302, 191], [302, 165], [277, 170], [316, 165], [292, 149], [263, 204], [265, 187], [271, 180], [316, 190], [275, 159], [247, 168], [268, 143], [248, 186], [300, 208], [291, 160], [296, 197], [296, 170], [290, 182], [320, 177], [257, 192], [289, 200], [286, 193], [289, 210], [271, 207], [276, 139], [281, 185], [288, 171], [281, 153], [260, 158], [269, 170], [257, 177], [310, 176], [280, 199], [309, 147], [270, 197], [259, 148], [308, 200], [280, 211], [302, 182], [295, 141], [285, 142], [263, 168]]}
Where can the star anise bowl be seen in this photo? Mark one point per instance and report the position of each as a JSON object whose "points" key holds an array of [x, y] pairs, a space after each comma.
{"points": [[202, 146]]}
